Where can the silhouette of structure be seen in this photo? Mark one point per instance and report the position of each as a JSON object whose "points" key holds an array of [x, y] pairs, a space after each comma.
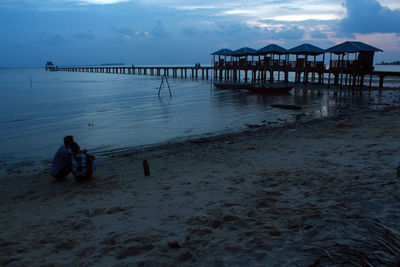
{"points": [[348, 65]]}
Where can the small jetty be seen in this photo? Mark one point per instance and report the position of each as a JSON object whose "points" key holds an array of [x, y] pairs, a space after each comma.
{"points": [[349, 65], [175, 71]]}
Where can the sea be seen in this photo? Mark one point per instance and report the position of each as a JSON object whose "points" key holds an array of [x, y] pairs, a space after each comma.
{"points": [[112, 112]]}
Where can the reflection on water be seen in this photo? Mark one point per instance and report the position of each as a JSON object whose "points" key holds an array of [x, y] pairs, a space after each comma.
{"points": [[112, 111]]}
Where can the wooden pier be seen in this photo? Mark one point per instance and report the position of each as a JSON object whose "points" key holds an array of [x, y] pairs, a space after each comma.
{"points": [[311, 74], [306, 63], [303, 64], [180, 71], [349, 66], [279, 71]]}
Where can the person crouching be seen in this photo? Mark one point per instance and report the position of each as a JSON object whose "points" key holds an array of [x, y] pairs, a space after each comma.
{"points": [[61, 165], [83, 164]]}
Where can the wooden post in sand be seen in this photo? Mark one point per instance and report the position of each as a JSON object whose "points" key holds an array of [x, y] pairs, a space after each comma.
{"points": [[146, 168]]}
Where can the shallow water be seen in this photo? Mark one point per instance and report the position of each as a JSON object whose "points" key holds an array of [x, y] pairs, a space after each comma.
{"points": [[114, 111]]}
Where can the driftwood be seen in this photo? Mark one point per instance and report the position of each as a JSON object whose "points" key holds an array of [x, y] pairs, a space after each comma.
{"points": [[146, 168]]}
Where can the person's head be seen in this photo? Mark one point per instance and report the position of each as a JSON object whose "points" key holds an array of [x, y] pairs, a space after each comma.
{"points": [[68, 140], [75, 148]]}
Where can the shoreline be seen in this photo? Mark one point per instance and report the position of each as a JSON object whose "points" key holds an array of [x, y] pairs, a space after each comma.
{"points": [[15, 168], [319, 192]]}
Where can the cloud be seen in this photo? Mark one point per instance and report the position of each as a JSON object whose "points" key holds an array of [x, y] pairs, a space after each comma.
{"points": [[126, 33], [316, 34], [83, 35], [177, 27], [56, 5], [189, 31], [122, 30], [52, 38], [159, 30], [288, 10], [287, 32], [369, 16], [101, 2]]}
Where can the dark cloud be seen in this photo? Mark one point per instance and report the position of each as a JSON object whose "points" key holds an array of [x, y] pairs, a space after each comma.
{"points": [[288, 32], [238, 32], [122, 30], [159, 30], [246, 33], [369, 16]]}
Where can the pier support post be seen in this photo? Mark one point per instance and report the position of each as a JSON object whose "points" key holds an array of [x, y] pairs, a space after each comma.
{"points": [[370, 80], [271, 76], [381, 77], [362, 80]]}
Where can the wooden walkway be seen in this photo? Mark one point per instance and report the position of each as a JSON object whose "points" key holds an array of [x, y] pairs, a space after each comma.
{"points": [[383, 74], [314, 75], [186, 72]]}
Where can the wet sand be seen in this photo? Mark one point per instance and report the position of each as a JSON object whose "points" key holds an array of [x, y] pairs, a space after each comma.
{"points": [[319, 192]]}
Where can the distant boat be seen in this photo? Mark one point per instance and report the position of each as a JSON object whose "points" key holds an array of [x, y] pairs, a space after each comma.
{"points": [[265, 88]]}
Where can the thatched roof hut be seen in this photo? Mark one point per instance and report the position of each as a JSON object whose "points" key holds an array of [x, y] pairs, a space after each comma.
{"points": [[222, 52], [242, 54], [363, 56], [272, 49], [244, 51], [352, 47], [308, 50], [269, 53]]}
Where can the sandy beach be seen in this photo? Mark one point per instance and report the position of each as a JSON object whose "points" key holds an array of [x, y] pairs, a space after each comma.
{"points": [[318, 193]]}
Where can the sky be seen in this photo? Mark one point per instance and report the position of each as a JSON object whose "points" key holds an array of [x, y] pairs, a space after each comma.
{"points": [[149, 32]]}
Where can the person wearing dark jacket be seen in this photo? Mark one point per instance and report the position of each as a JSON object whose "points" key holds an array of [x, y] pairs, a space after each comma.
{"points": [[61, 165]]}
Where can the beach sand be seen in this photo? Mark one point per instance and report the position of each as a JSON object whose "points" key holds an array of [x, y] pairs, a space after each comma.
{"points": [[322, 192]]}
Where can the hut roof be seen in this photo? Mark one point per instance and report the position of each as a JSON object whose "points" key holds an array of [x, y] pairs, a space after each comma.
{"points": [[223, 52], [352, 47], [272, 49], [308, 49], [245, 51]]}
